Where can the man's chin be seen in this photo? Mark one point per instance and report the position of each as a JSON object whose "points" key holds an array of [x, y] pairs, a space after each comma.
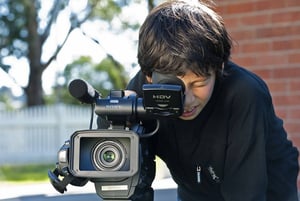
{"points": [[186, 118]]}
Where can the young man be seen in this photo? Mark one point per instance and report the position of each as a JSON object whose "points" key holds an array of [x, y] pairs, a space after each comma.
{"points": [[228, 145]]}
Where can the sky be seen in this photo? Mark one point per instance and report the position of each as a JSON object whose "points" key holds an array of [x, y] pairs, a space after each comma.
{"points": [[122, 46]]}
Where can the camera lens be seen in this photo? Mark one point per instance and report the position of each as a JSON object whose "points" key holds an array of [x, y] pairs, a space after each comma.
{"points": [[109, 155]]}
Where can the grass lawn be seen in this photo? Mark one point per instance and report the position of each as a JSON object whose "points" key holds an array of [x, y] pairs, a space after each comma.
{"points": [[18, 173], [39, 172]]}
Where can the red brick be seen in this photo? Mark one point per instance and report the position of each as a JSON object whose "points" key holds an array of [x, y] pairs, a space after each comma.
{"points": [[278, 86], [286, 73], [292, 127], [286, 16], [294, 113], [294, 57], [232, 23], [269, 5], [291, 100], [292, 3], [270, 59], [242, 7], [294, 85], [267, 32], [256, 46], [256, 20], [281, 112], [242, 35], [246, 61], [264, 73], [236, 49], [286, 44], [296, 140], [272, 5], [295, 29]]}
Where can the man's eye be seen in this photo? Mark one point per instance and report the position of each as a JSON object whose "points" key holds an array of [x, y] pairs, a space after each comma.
{"points": [[199, 84]]}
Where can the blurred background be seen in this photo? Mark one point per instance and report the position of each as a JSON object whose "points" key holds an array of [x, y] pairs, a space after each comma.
{"points": [[44, 44]]}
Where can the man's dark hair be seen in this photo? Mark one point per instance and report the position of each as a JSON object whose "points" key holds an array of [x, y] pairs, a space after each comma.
{"points": [[183, 35]]}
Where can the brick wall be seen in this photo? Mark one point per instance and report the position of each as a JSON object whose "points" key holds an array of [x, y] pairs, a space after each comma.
{"points": [[267, 41]]}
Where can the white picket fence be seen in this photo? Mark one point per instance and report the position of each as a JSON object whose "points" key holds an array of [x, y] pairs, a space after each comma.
{"points": [[34, 135]]}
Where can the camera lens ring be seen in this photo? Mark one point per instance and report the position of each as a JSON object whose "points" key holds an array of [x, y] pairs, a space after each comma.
{"points": [[109, 155]]}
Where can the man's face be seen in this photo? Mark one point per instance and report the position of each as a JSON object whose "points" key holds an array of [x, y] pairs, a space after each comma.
{"points": [[198, 90]]}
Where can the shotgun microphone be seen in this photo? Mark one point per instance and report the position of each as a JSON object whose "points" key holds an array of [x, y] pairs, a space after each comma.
{"points": [[83, 91]]}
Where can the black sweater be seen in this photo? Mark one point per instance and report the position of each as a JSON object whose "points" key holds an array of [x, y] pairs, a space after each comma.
{"points": [[235, 150]]}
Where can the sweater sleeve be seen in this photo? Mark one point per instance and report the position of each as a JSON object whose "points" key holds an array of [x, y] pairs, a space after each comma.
{"points": [[245, 172], [261, 164]]}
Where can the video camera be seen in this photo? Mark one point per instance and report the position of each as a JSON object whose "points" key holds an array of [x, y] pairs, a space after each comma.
{"points": [[109, 156]]}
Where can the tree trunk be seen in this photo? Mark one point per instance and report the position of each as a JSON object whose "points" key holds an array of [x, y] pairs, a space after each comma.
{"points": [[34, 89]]}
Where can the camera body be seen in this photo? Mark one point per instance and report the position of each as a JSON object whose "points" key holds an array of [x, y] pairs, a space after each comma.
{"points": [[104, 153], [110, 155]]}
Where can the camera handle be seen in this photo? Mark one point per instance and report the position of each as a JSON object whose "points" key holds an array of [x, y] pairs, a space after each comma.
{"points": [[61, 185]]}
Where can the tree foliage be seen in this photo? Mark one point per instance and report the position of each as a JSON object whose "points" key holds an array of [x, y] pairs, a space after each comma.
{"points": [[103, 76], [25, 30]]}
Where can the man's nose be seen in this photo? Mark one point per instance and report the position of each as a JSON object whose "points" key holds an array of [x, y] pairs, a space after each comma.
{"points": [[189, 97]]}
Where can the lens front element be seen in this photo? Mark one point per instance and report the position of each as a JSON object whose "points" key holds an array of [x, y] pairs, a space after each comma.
{"points": [[109, 155]]}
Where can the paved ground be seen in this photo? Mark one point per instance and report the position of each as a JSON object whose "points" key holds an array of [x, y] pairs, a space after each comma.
{"points": [[160, 195], [165, 190]]}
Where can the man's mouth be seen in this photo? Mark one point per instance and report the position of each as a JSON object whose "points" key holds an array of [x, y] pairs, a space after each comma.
{"points": [[189, 112]]}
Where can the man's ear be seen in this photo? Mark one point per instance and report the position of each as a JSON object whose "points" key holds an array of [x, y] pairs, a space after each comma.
{"points": [[149, 79]]}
